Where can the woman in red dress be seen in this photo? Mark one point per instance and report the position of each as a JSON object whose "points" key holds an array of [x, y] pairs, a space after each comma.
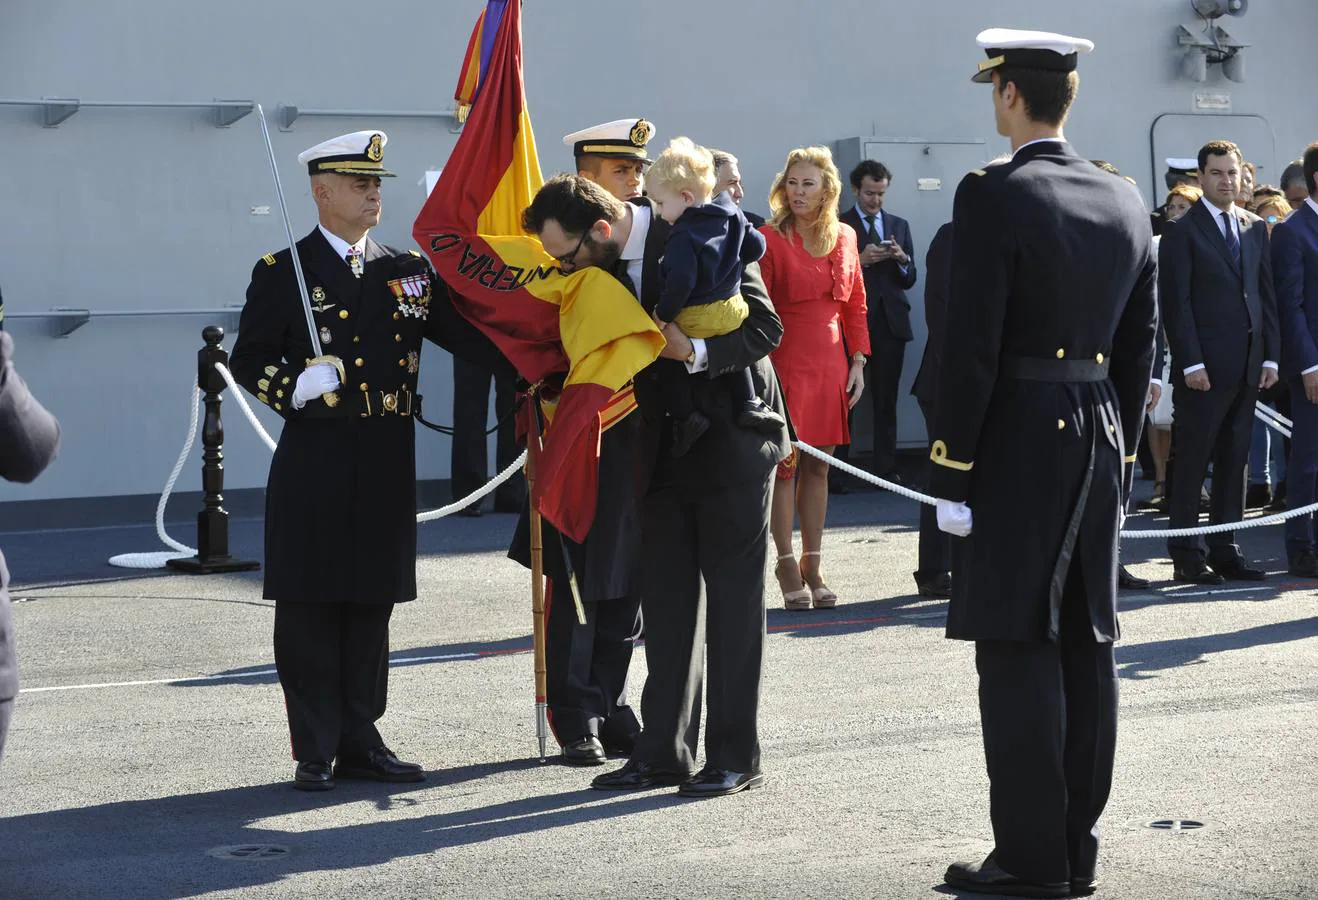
{"points": [[812, 272]]}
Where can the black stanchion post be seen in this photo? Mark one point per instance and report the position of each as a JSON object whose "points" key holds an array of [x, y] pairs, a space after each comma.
{"points": [[213, 520]]}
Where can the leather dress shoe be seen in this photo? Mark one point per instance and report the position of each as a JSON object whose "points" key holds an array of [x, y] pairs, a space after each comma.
{"points": [[1305, 565], [1257, 496], [711, 782], [938, 587], [638, 776], [379, 764], [1196, 573], [1128, 582], [313, 776], [1238, 570], [586, 751], [1083, 887], [989, 878]]}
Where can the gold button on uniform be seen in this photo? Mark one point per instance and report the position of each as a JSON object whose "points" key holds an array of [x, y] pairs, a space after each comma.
{"points": [[343, 314], [403, 363], [359, 362], [398, 338], [356, 339], [1099, 359], [1061, 423], [1060, 353], [397, 316], [363, 387]]}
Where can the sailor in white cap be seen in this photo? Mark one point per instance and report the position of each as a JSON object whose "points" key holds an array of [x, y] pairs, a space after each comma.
{"points": [[1181, 171], [613, 155], [340, 525], [1042, 389]]}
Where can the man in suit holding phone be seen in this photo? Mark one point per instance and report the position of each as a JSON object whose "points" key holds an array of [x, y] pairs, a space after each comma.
{"points": [[1215, 290], [1295, 270], [886, 255]]}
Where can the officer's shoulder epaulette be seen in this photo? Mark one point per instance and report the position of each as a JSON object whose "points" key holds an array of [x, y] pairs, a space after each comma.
{"points": [[268, 259], [414, 252], [978, 172]]}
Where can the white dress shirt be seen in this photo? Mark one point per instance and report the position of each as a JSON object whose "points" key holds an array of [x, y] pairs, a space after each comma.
{"points": [[633, 253], [341, 247], [1221, 228]]}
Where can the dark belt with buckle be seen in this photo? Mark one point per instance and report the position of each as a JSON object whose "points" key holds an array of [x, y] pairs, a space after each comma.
{"points": [[1062, 371], [380, 403]]}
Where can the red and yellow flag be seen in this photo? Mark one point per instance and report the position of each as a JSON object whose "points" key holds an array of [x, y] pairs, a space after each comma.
{"points": [[585, 326]]}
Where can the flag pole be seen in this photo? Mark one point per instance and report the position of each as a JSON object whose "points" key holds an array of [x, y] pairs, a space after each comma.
{"points": [[537, 583]]}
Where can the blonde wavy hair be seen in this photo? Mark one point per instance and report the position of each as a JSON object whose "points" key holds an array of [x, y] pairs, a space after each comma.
{"points": [[820, 236], [684, 166]]}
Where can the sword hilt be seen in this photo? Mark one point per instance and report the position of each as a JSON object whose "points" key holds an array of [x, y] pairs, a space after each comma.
{"points": [[332, 398]]}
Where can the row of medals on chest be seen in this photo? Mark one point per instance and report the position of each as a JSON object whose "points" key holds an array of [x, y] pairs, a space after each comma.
{"points": [[414, 306]]}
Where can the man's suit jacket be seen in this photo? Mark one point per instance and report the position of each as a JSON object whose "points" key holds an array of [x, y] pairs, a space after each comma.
{"points": [[885, 285], [29, 437], [1295, 274], [937, 283], [1209, 303], [726, 451]]}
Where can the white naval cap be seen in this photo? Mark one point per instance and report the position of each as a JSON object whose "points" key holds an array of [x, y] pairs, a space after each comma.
{"points": [[621, 138], [1029, 50], [359, 153], [1184, 165]]}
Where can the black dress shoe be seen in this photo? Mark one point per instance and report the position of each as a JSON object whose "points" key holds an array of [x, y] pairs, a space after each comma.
{"points": [[1083, 887], [1258, 496], [1304, 566], [586, 751], [1278, 503], [938, 587], [379, 764], [638, 776], [1196, 573], [711, 782], [989, 878], [313, 776], [1237, 570], [1128, 582]]}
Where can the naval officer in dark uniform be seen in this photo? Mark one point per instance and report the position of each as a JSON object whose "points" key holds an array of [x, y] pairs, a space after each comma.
{"points": [[1041, 397], [340, 521], [587, 663]]}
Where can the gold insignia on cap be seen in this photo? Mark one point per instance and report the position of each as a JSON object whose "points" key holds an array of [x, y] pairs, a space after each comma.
{"points": [[375, 149], [268, 259], [641, 133], [992, 63]]}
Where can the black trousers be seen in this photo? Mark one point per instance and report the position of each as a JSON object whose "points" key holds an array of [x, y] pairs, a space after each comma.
{"points": [[883, 375], [333, 664], [587, 668], [1049, 715], [720, 533], [6, 711], [935, 544], [1211, 426], [469, 467]]}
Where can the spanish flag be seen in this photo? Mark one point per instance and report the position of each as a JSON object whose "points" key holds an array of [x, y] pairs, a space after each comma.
{"points": [[584, 327]]}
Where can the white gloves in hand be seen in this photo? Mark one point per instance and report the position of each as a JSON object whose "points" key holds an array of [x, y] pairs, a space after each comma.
{"points": [[954, 518], [313, 382]]}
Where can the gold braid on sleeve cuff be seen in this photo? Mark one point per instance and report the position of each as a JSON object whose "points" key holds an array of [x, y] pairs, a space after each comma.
{"points": [[938, 453]]}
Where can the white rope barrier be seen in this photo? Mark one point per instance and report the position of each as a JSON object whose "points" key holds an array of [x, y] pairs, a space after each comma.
{"points": [[1273, 419], [158, 559], [1135, 534]]}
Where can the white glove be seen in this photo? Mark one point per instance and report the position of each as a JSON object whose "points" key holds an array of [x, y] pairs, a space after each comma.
{"points": [[954, 518], [313, 382]]}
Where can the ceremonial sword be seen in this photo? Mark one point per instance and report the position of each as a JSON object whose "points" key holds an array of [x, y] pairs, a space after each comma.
{"points": [[332, 398]]}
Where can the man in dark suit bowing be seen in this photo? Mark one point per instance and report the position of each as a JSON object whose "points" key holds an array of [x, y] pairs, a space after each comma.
{"points": [[1216, 293], [886, 256], [1295, 269], [1052, 296], [704, 515]]}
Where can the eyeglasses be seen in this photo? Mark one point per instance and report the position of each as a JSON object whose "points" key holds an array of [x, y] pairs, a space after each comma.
{"points": [[570, 258]]}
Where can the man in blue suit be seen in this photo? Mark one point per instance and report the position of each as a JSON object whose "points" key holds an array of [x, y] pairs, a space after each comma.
{"points": [[1295, 272]]}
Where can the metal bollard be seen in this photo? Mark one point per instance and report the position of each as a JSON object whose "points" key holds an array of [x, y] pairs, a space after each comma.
{"points": [[213, 520]]}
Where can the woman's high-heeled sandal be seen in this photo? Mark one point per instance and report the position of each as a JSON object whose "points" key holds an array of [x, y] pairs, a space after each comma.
{"points": [[822, 596], [797, 599]]}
